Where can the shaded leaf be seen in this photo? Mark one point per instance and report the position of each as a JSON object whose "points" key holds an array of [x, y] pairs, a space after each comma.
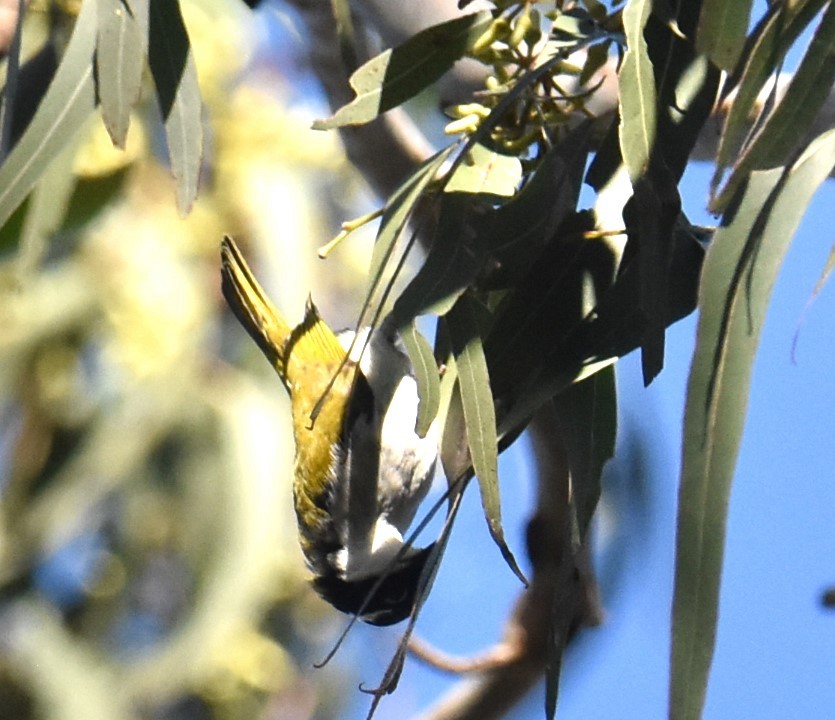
{"points": [[479, 417], [588, 417], [69, 101], [637, 91], [398, 74], [805, 95], [455, 258], [723, 25], [426, 374], [398, 210], [175, 77], [740, 269], [770, 41], [650, 217], [518, 229], [120, 58], [486, 171]]}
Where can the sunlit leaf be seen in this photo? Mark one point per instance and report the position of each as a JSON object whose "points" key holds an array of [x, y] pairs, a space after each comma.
{"points": [[69, 101], [479, 417], [120, 59], [771, 39], [740, 269], [426, 374], [175, 78], [486, 171], [398, 74], [398, 210], [637, 91], [808, 90], [723, 25]]}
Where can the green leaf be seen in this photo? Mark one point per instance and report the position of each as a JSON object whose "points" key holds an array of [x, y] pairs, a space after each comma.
{"points": [[69, 101], [398, 210], [47, 209], [588, 416], [455, 258], [426, 374], [772, 38], [398, 74], [120, 58], [784, 127], [637, 91], [488, 172], [723, 25], [518, 229], [175, 77], [740, 269], [479, 417]]}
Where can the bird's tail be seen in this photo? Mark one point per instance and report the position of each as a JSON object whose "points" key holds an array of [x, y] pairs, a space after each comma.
{"points": [[312, 344], [252, 307]]}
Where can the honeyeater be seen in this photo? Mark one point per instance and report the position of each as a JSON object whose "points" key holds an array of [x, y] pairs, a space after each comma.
{"points": [[361, 470]]}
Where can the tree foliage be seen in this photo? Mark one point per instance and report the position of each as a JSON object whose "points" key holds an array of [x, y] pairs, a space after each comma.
{"points": [[534, 291]]}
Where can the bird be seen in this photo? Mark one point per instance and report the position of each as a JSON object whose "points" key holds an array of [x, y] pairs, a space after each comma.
{"points": [[361, 469]]}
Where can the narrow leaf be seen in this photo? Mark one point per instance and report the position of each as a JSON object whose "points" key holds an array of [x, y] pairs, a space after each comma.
{"points": [[426, 375], [398, 74], [479, 417], [588, 416], [69, 101], [46, 210], [398, 210], [740, 269], [455, 258], [120, 58], [175, 78], [772, 38], [637, 91], [723, 25], [806, 94]]}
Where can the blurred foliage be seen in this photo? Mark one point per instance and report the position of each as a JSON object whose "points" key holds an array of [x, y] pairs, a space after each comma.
{"points": [[148, 557]]}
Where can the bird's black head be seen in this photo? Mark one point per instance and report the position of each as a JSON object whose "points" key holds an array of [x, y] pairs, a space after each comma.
{"points": [[391, 602]]}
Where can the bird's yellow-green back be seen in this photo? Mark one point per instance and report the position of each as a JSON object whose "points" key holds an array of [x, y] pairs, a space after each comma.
{"points": [[311, 363]]}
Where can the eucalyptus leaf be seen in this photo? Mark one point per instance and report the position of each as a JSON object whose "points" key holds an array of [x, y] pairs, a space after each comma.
{"points": [[517, 230], [426, 375], [769, 43], [723, 25], [69, 101], [740, 270], [398, 74], [399, 209], [121, 51], [637, 91], [808, 90], [486, 171], [171, 61], [588, 418], [479, 417], [455, 258]]}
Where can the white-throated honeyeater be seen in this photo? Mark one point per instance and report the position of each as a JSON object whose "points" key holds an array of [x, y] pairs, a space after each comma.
{"points": [[360, 468]]}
